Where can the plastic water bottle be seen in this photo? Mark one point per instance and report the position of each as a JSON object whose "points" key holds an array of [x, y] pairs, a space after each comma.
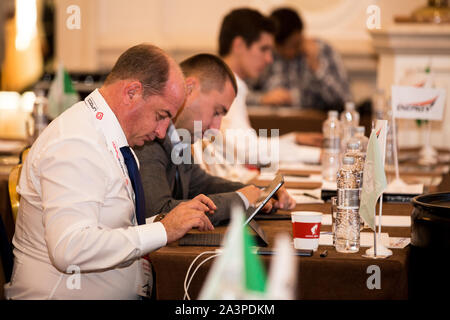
{"points": [[331, 146], [378, 105], [349, 121], [347, 229], [354, 150], [38, 119], [360, 138]]}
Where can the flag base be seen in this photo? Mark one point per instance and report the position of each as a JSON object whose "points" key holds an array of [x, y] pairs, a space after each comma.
{"points": [[428, 156], [382, 252], [398, 185]]}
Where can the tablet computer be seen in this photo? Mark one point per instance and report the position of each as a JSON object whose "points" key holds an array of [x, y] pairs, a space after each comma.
{"points": [[215, 239], [266, 195]]}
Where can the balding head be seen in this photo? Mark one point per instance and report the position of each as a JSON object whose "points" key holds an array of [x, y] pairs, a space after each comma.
{"points": [[145, 89], [146, 63]]}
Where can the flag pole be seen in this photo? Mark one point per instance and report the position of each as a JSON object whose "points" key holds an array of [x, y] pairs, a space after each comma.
{"points": [[379, 215], [394, 136], [383, 251], [375, 236], [379, 251]]}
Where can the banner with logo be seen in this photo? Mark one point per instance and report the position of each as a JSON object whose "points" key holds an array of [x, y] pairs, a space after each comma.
{"points": [[418, 103], [381, 132]]}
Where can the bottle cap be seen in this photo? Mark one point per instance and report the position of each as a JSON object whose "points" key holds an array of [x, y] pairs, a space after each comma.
{"points": [[353, 145], [348, 160], [333, 114], [349, 106], [360, 129], [40, 93]]}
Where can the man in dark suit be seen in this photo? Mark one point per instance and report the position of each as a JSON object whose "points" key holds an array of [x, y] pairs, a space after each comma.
{"points": [[168, 173]]}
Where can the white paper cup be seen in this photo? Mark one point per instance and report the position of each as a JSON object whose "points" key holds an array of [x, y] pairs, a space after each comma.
{"points": [[306, 229]]}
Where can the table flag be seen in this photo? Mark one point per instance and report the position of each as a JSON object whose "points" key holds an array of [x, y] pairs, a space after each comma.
{"points": [[238, 273], [374, 181], [62, 94]]}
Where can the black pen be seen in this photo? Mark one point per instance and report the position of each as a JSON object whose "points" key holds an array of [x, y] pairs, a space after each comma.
{"points": [[310, 195]]}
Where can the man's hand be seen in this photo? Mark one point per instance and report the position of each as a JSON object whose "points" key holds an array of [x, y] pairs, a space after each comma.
{"points": [[268, 207], [277, 97], [252, 193], [188, 215], [284, 200], [313, 139], [311, 51]]}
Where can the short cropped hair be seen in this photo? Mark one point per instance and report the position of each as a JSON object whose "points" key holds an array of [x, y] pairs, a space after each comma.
{"points": [[146, 63], [287, 21], [212, 72], [246, 23]]}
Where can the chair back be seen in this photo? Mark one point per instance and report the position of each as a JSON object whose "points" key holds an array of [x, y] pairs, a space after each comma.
{"points": [[13, 181], [14, 197], [6, 258]]}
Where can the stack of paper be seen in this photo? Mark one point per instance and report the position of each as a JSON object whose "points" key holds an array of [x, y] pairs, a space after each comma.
{"points": [[315, 168], [399, 187], [327, 185], [366, 240], [306, 195], [386, 221]]}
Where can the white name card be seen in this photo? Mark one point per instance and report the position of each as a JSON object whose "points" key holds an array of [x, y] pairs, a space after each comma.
{"points": [[418, 103]]}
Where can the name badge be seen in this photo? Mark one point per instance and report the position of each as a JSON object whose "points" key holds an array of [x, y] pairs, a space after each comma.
{"points": [[145, 278]]}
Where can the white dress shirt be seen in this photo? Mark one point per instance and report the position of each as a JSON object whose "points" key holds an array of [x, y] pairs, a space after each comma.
{"points": [[77, 212], [178, 145], [235, 126]]}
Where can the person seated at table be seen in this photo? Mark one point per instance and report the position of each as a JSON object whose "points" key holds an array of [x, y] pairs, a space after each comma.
{"points": [[168, 173], [306, 72], [80, 230], [246, 40]]}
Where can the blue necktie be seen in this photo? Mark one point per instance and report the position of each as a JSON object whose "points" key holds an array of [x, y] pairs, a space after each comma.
{"points": [[135, 177]]}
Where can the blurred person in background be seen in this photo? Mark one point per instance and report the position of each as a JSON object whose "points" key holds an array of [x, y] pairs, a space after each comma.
{"points": [[246, 41], [306, 72]]}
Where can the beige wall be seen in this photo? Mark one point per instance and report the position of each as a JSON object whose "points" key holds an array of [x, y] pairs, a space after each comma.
{"points": [[183, 27]]}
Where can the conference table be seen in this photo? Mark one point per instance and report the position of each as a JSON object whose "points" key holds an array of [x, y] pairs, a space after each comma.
{"points": [[336, 276], [290, 119]]}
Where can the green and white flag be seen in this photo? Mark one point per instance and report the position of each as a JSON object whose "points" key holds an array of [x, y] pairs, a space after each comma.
{"points": [[238, 273], [62, 94], [374, 181]]}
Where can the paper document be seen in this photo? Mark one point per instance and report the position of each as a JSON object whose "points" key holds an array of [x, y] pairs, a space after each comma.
{"points": [[387, 221], [300, 166], [366, 239], [405, 189], [327, 185], [398, 243], [287, 178], [11, 146], [306, 195]]}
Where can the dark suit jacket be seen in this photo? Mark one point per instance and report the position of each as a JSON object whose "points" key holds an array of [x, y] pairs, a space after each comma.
{"points": [[158, 174]]}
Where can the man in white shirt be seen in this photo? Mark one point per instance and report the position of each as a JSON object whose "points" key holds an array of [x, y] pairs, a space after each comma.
{"points": [[246, 41], [76, 234], [168, 172]]}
